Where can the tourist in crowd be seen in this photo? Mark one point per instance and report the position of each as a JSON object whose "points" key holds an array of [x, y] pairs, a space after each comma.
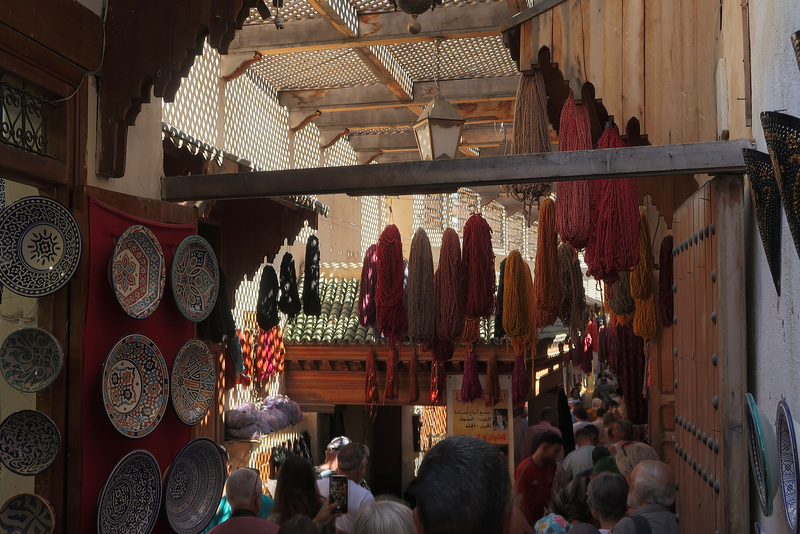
{"points": [[597, 405], [296, 493], [448, 502], [551, 524], [651, 497], [605, 425], [607, 500], [244, 497], [385, 516], [621, 433], [580, 459], [548, 423], [535, 479], [352, 461], [329, 466], [603, 462], [299, 524], [570, 503], [224, 508], [631, 454], [581, 418]]}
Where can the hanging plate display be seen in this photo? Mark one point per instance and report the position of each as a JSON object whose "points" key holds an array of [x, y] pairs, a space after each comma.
{"points": [[30, 359], [763, 457], [195, 278], [192, 381], [26, 513], [29, 442], [138, 271], [786, 433], [193, 486], [131, 497], [135, 385], [40, 246]]}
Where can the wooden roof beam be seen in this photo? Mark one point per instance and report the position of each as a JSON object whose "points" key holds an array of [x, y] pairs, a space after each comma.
{"points": [[479, 20], [424, 176], [381, 62], [338, 13]]}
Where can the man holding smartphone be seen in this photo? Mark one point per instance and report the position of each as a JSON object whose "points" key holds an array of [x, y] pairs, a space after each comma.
{"points": [[352, 459]]}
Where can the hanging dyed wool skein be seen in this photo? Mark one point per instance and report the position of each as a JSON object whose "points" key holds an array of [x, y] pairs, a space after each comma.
{"points": [[311, 302], [371, 387], [369, 277], [449, 289], [573, 305], [492, 381], [517, 319], [666, 306], [471, 389], [289, 302], [573, 217], [392, 389], [478, 270], [390, 311], [620, 300], [546, 286], [267, 306], [613, 246], [644, 319], [499, 331], [421, 288]]}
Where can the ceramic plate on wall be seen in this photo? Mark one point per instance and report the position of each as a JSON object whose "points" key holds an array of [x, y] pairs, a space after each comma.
{"points": [[138, 271], [192, 381], [135, 385], [763, 457], [40, 246], [29, 442], [26, 513], [131, 497], [195, 278], [31, 359], [788, 470], [193, 486]]}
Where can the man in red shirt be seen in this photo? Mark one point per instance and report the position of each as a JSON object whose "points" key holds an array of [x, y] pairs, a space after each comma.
{"points": [[533, 481]]}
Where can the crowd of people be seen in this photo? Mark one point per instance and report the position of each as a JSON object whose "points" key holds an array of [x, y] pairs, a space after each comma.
{"points": [[609, 483]]}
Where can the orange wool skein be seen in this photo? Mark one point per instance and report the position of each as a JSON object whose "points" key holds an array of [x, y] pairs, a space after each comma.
{"points": [[642, 275], [644, 319], [516, 308], [533, 334], [546, 282]]}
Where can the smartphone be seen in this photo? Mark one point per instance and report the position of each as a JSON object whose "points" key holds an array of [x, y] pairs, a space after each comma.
{"points": [[338, 492]]}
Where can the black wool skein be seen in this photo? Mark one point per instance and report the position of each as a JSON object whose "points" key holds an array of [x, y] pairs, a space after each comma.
{"points": [[289, 303], [267, 306], [311, 302]]}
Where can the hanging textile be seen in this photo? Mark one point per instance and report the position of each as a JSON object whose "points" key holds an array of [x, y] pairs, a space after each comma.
{"points": [[546, 285], [421, 288], [573, 303], [289, 302], [390, 310], [267, 305], [311, 301], [369, 277], [573, 204], [666, 309], [449, 289]]}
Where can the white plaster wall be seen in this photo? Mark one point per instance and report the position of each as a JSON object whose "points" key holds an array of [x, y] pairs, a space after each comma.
{"points": [[773, 322]]}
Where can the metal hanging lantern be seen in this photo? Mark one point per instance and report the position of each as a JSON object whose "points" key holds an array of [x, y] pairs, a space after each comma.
{"points": [[414, 8]]}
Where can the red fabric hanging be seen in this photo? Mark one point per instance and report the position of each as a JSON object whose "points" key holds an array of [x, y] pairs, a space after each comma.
{"points": [[390, 310], [471, 389], [573, 202]]}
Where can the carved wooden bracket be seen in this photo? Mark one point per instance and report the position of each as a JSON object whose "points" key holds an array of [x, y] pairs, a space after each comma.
{"points": [[153, 43]]}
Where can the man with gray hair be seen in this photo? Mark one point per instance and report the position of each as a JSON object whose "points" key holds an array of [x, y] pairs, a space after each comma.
{"points": [[244, 496], [352, 459], [651, 496]]}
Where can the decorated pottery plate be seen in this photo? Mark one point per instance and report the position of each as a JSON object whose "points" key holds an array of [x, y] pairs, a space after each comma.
{"points": [[40, 246], [131, 497], [135, 385], [195, 278], [192, 381], [138, 271], [193, 486], [30, 359], [763, 458], [29, 442], [786, 434], [26, 513]]}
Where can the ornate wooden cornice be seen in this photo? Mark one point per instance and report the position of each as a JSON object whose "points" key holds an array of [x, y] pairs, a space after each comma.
{"points": [[152, 44]]}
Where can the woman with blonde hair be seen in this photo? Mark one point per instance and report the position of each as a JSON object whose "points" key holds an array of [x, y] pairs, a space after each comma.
{"points": [[385, 516], [630, 454]]}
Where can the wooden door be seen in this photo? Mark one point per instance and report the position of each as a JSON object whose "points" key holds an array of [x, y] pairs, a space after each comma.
{"points": [[710, 359]]}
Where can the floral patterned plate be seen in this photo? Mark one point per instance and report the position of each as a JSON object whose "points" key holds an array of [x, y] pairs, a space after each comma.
{"points": [[40, 246], [29, 442], [135, 385], [193, 486], [763, 459], [786, 434], [138, 271], [31, 359], [195, 278], [131, 497], [26, 513], [192, 381]]}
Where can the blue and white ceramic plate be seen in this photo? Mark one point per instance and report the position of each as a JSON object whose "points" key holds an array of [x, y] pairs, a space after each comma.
{"points": [[192, 381], [31, 359], [763, 457], [135, 385], [193, 487], [195, 278], [131, 497], [138, 271], [786, 434], [26, 513], [40, 246], [29, 442]]}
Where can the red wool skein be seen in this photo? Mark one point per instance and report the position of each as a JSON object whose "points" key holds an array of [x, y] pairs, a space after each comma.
{"points": [[546, 281], [471, 389], [573, 204], [390, 310], [478, 267], [449, 289], [369, 276]]}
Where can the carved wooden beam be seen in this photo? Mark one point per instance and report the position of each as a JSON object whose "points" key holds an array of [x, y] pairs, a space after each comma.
{"points": [[151, 45]]}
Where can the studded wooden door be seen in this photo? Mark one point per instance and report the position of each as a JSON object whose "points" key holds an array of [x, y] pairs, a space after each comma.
{"points": [[710, 359]]}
